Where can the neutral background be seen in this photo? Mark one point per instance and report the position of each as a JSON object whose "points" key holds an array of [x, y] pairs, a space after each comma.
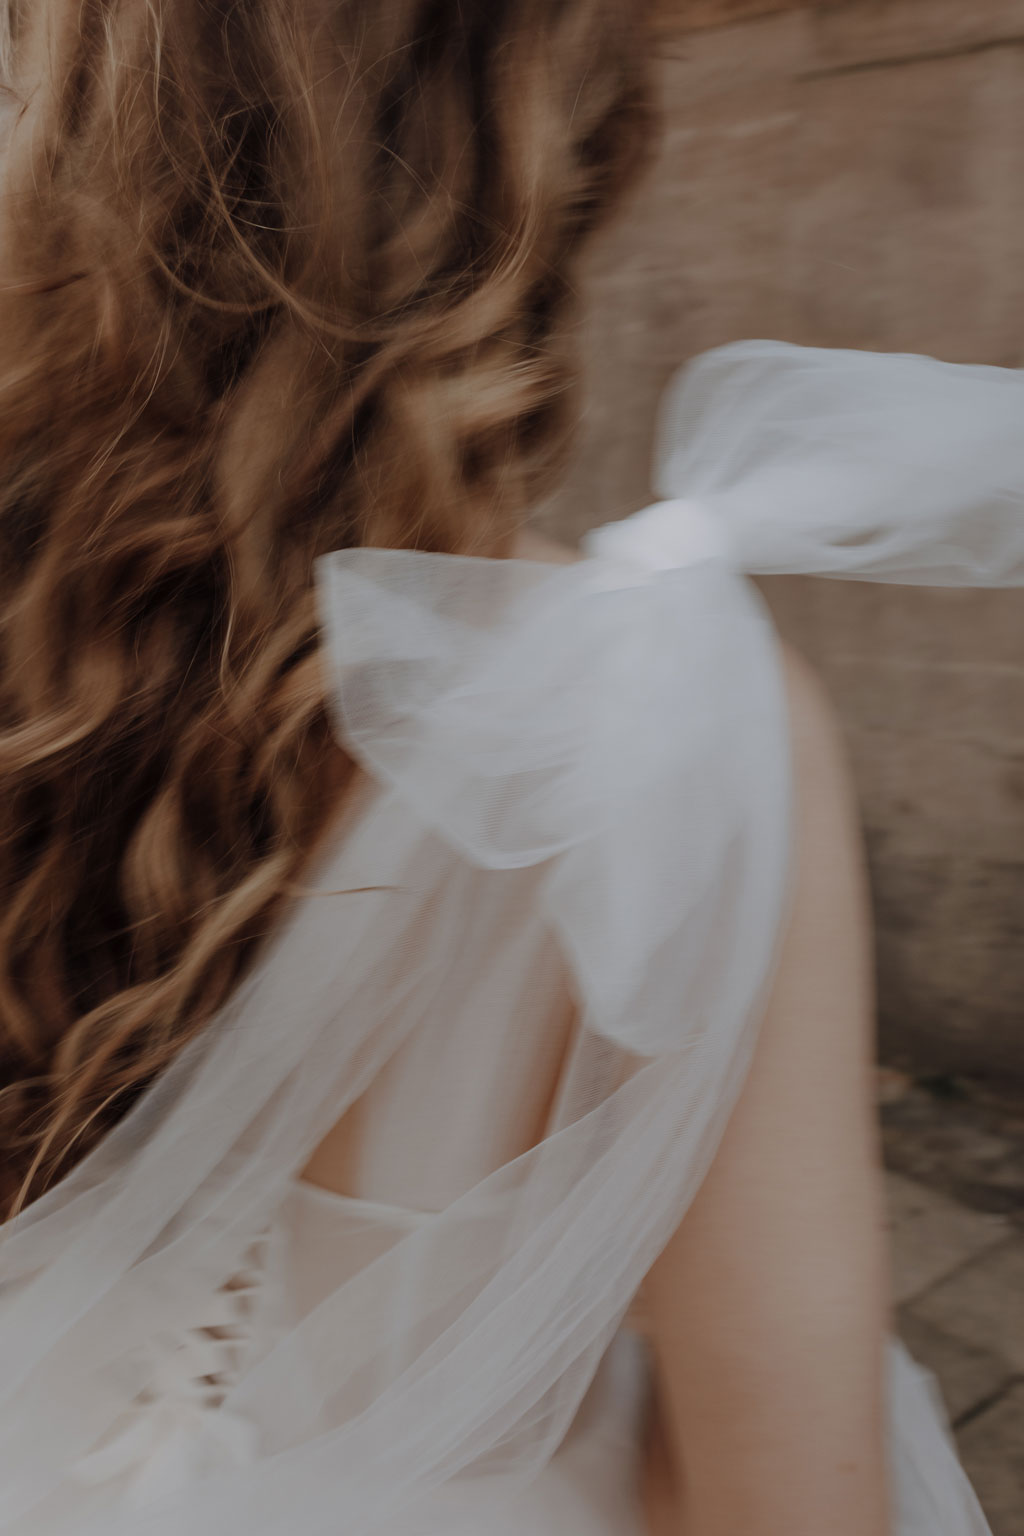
{"points": [[851, 173]]}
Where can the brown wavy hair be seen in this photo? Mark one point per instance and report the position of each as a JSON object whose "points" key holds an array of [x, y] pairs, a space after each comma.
{"points": [[276, 277]]}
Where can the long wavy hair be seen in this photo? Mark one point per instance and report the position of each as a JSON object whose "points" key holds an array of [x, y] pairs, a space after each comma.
{"points": [[276, 277]]}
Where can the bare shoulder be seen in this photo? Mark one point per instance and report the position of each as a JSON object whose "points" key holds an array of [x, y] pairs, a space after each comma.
{"points": [[824, 785], [772, 1292], [813, 714]]}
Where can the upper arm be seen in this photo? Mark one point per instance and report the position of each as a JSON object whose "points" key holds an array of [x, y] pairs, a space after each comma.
{"points": [[767, 1310]]}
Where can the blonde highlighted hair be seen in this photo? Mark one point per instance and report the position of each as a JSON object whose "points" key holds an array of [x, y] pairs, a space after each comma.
{"points": [[276, 277]]}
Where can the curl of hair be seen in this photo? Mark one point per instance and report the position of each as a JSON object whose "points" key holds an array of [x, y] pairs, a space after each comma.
{"points": [[275, 278]]}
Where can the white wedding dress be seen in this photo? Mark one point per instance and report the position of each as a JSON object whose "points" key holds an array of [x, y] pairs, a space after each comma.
{"points": [[569, 864]]}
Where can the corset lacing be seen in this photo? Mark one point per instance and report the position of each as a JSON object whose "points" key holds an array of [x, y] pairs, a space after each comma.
{"points": [[177, 1429]]}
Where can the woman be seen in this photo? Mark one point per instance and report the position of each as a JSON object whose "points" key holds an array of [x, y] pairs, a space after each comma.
{"points": [[414, 957]]}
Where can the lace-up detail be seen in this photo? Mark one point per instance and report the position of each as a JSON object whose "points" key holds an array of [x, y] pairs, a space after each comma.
{"points": [[178, 1428]]}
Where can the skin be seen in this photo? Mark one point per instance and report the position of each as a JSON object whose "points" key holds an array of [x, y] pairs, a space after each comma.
{"points": [[767, 1311]]}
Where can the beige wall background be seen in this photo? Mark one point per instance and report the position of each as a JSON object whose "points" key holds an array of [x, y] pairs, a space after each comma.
{"points": [[851, 173]]}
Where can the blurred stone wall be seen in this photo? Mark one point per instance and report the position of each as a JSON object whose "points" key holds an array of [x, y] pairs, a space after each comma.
{"points": [[851, 173]]}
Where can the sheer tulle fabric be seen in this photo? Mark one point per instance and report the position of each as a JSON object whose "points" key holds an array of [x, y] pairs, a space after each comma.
{"points": [[598, 752], [858, 464]]}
